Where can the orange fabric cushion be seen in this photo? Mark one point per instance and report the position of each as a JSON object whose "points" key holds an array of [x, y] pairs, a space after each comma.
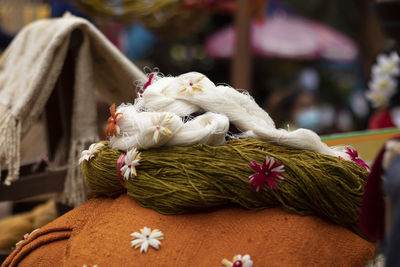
{"points": [[99, 231]]}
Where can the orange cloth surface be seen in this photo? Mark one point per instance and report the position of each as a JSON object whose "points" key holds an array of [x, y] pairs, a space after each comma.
{"points": [[98, 232]]}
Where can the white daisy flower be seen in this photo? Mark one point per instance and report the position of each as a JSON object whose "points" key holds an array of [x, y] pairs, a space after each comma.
{"points": [[160, 123], [238, 260], [377, 98], [131, 160], [25, 237], [145, 238], [88, 154], [386, 64], [383, 83], [189, 86], [22, 240]]}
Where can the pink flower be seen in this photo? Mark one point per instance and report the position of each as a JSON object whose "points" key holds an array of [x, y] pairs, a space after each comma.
{"points": [[354, 157], [270, 171]]}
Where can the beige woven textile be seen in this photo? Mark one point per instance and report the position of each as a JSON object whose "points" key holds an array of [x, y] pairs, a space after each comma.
{"points": [[29, 69]]}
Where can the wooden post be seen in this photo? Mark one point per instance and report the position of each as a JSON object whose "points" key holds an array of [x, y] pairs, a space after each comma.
{"points": [[241, 67]]}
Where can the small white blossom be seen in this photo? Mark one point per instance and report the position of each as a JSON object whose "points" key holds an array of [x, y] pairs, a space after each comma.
{"points": [[145, 238], [377, 98], [384, 84], [88, 154], [189, 86], [160, 123], [22, 240], [238, 260], [386, 64], [131, 160], [25, 237]]}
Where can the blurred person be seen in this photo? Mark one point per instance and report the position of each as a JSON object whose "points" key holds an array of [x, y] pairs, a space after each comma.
{"points": [[298, 109], [305, 112], [271, 104], [305, 109]]}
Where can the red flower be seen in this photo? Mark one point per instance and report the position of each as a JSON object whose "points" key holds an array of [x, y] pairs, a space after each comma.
{"points": [[354, 157], [270, 171]]}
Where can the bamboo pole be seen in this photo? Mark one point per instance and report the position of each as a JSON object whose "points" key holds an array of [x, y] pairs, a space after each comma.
{"points": [[241, 66]]}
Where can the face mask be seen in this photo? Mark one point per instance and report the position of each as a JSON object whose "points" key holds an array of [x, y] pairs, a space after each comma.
{"points": [[308, 118]]}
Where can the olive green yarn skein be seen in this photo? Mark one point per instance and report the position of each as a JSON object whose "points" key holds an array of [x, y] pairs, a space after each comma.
{"points": [[175, 180]]}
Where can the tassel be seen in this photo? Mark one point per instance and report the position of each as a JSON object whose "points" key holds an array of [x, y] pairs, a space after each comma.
{"points": [[74, 193], [10, 138]]}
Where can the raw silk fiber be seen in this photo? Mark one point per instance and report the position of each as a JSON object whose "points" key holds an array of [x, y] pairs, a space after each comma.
{"points": [[175, 180], [166, 100], [29, 69]]}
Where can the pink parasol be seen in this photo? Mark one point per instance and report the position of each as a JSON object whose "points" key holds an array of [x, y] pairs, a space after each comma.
{"points": [[286, 36]]}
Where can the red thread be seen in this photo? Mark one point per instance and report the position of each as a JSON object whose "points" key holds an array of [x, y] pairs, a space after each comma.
{"points": [[120, 163], [148, 81]]}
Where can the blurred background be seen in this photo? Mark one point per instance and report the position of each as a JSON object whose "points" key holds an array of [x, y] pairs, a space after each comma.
{"points": [[308, 65]]}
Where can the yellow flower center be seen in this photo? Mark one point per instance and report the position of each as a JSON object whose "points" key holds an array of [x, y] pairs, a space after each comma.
{"points": [[383, 84], [388, 68]]}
